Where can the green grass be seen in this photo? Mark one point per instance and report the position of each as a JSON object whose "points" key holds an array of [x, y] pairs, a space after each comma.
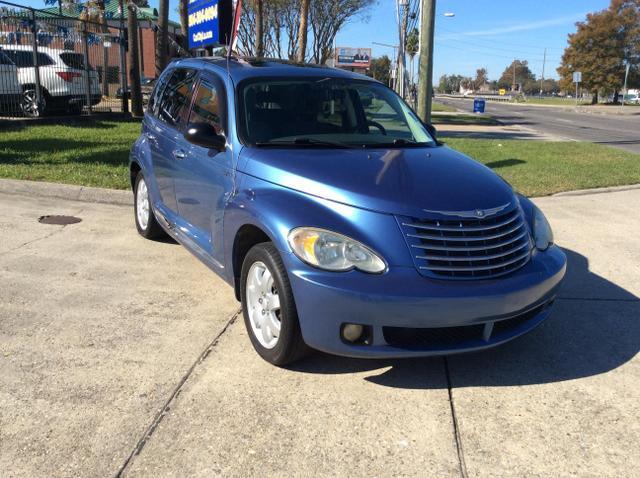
{"points": [[439, 107], [95, 153], [464, 119], [86, 152], [540, 168]]}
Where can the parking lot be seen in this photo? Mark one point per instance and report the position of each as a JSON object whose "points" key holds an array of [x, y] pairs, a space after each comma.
{"points": [[124, 356]]}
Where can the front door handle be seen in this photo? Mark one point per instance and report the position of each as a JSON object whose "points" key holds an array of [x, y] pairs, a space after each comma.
{"points": [[179, 154]]}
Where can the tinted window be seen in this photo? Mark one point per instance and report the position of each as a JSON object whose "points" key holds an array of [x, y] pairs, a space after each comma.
{"points": [[208, 106], [73, 60], [24, 59], [4, 59], [176, 95]]}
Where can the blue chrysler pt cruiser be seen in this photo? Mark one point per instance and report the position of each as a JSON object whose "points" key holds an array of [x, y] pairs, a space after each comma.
{"points": [[338, 218]]}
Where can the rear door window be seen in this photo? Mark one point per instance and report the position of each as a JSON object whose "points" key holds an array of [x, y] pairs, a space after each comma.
{"points": [[24, 58], [176, 95], [4, 59]]}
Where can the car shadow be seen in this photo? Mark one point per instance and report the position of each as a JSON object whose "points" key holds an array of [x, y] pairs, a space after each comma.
{"points": [[593, 329]]}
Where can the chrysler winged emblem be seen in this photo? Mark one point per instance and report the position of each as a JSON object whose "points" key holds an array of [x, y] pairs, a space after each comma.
{"points": [[475, 213]]}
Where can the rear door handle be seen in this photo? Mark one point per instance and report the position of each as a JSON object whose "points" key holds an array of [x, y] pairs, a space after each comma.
{"points": [[179, 154]]}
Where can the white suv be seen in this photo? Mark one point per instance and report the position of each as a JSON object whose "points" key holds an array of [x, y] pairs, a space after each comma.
{"points": [[10, 88], [63, 79]]}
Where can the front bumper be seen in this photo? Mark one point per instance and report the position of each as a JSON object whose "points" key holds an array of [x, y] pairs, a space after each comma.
{"points": [[400, 300]]}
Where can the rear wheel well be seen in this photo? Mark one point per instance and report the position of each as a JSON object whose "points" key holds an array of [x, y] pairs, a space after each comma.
{"points": [[246, 237], [134, 169]]}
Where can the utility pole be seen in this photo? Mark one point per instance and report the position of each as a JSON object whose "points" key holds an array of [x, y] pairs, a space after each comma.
{"points": [[134, 61], [425, 66], [544, 62], [403, 13]]}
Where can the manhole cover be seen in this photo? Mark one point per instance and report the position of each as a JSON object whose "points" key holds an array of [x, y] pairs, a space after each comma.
{"points": [[59, 220]]}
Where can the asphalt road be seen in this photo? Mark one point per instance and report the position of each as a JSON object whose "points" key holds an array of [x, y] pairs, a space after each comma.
{"points": [[126, 357], [613, 130]]}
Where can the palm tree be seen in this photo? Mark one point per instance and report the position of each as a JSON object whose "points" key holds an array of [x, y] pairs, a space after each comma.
{"points": [[259, 28], [162, 39], [302, 31]]}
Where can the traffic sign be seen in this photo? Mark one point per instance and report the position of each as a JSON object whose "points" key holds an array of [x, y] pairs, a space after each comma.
{"points": [[577, 77], [502, 92]]}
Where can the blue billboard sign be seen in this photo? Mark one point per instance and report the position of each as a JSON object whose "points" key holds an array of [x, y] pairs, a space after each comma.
{"points": [[204, 23]]}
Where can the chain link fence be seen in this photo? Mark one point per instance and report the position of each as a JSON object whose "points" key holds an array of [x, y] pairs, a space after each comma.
{"points": [[55, 64]]}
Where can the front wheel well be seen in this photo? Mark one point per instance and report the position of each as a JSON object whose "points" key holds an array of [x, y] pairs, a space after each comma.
{"points": [[246, 237], [134, 169]]}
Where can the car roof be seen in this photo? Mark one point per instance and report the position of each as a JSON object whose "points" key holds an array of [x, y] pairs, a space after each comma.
{"points": [[243, 68], [41, 49]]}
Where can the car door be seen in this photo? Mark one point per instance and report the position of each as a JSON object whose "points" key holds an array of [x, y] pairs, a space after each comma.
{"points": [[205, 179], [163, 130]]}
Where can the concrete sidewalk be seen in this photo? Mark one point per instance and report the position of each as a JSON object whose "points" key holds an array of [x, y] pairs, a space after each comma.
{"points": [[120, 355]]}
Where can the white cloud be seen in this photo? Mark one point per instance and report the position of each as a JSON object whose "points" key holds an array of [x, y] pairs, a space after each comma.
{"points": [[518, 27]]}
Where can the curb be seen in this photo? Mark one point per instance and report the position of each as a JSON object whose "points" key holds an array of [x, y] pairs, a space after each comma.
{"points": [[66, 191], [587, 192]]}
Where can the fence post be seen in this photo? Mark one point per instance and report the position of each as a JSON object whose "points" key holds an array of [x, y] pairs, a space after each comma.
{"points": [[36, 65], [85, 52], [123, 73]]}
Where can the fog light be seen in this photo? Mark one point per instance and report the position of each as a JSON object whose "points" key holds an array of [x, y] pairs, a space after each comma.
{"points": [[352, 332]]}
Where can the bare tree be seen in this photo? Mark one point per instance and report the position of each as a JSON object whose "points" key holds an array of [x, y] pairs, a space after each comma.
{"points": [[326, 18], [302, 31]]}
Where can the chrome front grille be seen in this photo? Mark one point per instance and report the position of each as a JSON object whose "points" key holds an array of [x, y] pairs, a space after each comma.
{"points": [[446, 246]]}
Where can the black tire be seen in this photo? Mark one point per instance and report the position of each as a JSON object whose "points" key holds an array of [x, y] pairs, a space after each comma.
{"points": [[29, 104], [153, 229], [290, 345]]}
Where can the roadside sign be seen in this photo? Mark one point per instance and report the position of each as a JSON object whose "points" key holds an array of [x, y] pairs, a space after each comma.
{"points": [[353, 57], [577, 77], [210, 22], [502, 92]]}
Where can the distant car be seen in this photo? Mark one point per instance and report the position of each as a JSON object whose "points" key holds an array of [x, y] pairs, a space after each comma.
{"points": [[343, 227], [63, 79], [630, 99], [10, 88], [146, 85]]}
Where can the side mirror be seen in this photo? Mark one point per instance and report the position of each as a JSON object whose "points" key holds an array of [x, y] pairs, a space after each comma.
{"points": [[203, 134]]}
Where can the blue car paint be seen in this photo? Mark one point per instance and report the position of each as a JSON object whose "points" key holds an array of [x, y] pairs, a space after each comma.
{"points": [[356, 193]]}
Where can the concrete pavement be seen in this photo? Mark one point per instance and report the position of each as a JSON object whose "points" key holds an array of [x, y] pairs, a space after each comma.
{"points": [[618, 131], [124, 355]]}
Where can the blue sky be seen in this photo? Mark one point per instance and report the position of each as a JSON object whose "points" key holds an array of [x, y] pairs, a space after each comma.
{"points": [[483, 33]]}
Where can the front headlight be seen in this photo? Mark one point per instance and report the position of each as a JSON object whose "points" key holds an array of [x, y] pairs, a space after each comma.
{"points": [[333, 252], [542, 233]]}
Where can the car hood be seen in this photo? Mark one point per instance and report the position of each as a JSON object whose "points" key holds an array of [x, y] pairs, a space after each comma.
{"points": [[395, 181]]}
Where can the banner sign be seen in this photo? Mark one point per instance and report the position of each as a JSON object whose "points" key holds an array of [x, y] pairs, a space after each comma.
{"points": [[353, 57], [209, 22]]}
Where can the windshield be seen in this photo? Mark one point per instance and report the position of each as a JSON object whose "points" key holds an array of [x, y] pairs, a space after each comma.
{"points": [[327, 112]]}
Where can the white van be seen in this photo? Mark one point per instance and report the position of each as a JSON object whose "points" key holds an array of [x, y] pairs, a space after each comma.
{"points": [[10, 88]]}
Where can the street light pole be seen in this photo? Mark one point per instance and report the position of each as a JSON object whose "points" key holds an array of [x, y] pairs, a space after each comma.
{"points": [[425, 67]]}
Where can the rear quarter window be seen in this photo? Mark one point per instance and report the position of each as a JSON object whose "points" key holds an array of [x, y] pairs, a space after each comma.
{"points": [[73, 60]]}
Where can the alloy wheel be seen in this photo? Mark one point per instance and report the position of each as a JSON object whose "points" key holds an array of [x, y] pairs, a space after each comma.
{"points": [[142, 204], [263, 305]]}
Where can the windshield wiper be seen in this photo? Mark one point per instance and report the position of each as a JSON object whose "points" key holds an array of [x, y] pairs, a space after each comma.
{"points": [[398, 142], [304, 142]]}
